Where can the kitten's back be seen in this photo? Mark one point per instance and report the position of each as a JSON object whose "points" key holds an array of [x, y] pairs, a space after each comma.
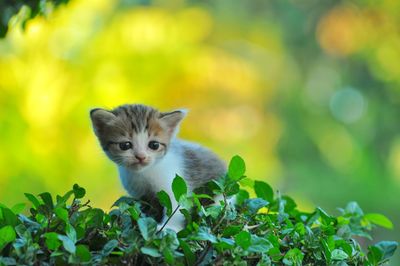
{"points": [[200, 164]]}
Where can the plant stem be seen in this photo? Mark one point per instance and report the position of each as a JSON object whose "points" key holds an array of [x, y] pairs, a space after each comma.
{"points": [[213, 230], [221, 218], [203, 255], [169, 218]]}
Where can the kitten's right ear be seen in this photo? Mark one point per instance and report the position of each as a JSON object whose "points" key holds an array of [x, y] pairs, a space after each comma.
{"points": [[101, 118], [172, 120]]}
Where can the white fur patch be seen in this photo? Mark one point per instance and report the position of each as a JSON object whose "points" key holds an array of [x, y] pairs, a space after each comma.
{"points": [[157, 177], [161, 175]]}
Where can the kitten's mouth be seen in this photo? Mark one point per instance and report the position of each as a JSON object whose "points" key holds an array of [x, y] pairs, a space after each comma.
{"points": [[138, 165]]}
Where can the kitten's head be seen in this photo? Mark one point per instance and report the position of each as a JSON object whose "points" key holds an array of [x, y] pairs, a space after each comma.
{"points": [[135, 136]]}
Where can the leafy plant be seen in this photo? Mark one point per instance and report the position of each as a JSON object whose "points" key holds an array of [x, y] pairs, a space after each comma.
{"points": [[267, 230], [25, 10]]}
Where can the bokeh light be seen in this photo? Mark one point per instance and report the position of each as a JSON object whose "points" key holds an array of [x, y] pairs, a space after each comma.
{"points": [[347, 105]]}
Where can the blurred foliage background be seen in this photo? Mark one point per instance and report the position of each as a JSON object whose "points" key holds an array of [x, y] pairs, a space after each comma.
{"points": [[306, 91]]}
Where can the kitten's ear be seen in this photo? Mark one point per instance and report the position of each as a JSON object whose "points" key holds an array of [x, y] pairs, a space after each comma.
{"points": [[101, 118], [172, 119]]}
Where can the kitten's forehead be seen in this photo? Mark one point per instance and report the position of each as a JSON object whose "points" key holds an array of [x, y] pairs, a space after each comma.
{"points": [[138, 118]]}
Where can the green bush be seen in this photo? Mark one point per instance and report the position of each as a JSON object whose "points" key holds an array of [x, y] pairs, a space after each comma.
{"points": [[267, 230]]}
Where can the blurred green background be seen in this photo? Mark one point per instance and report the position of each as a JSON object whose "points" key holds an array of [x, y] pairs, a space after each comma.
{"points": [[306, 91]]}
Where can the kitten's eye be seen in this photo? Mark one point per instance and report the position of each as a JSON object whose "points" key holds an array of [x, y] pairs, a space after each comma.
{"points": [[154, 145], [125, 145]]}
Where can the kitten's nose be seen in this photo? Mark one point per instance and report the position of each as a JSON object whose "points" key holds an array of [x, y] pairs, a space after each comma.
{"points": [[140, 157]]}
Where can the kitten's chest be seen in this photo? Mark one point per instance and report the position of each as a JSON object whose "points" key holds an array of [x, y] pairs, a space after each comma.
{"points": [[155, 178]]}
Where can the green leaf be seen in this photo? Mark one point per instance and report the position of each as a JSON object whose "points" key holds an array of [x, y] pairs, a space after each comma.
{"points": [[236, 168], [204, 234], [80, 232], [338, 254], [387, 247], [135, 214], [71, 233], [62, 200], [169, 240], [7, 235], [188, 216], [253, 205], [241, 197], [7, 261], [179, 187], [109, 247], [379, 219], [330, 240], [203, 196], [26, 224], [214, 211], [374, 255], [62, 214], [94, 217], [83, 253], [243, 239], [216, 186], [224, 244], [326, 250], [189, 255], [9, 217], [123, 207], [126, 199], [18, 208], [196, 201], [325, 217], [79, 192], [186, 202], [259, 244], [275, 254], [47, 199], [32, 199], [353, 208], [290, 204], [52, 242], [168, 256], [345, 246], [152, 252], [231, 230], [57, 253], [293, 257], [264, 191], [300, 228], [67, 244], [232, 189], [147, 227], [165, 201]]}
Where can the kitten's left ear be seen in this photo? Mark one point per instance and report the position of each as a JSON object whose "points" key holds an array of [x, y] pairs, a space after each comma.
{"points": [[100, 119], [172, 119]]}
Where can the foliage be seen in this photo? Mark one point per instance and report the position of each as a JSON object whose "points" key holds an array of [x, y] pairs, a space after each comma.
{"points": [[8, 8], [267, 230]]}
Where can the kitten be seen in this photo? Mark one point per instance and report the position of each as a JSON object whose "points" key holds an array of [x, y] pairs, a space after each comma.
{"points": [[142, 142]]}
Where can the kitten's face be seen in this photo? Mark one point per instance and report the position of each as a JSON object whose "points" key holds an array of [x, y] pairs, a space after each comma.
{"points": [[135, 136]]}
